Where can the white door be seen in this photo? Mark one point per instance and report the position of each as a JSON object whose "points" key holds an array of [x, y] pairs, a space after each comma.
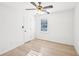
{"points": [[28, 23], [27, 26]]}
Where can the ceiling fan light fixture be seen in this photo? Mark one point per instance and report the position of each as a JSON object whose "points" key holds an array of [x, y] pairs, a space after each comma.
{"points": [[40, 12]]}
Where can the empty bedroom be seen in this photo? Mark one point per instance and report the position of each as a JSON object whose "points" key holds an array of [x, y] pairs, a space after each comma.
{"points": [[39, 28]]}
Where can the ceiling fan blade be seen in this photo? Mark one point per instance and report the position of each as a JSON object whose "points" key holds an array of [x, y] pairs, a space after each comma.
{"points": [[33, 3], [46, 7], [30, 9], [46, 11], [39, 3]]}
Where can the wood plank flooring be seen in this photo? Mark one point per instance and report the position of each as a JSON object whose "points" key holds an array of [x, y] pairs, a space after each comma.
{"points": [[46, 48]]}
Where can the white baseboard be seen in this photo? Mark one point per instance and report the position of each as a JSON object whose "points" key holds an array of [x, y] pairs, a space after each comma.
{"points": [[11, 48], [56, 41]]}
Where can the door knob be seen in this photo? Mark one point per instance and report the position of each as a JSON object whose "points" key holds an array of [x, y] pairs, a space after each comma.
{"points": [[22, 27]]}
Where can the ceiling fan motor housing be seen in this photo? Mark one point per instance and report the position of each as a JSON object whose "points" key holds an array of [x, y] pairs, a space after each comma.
{"points": [[39, 7]]}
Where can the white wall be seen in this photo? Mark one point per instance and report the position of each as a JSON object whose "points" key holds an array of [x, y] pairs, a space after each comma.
{"points": [[76, 28], [10, 27], [59, 27], [11, 20]]}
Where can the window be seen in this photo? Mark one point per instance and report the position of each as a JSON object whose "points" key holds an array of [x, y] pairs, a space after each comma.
{"points": [[43, 25]]}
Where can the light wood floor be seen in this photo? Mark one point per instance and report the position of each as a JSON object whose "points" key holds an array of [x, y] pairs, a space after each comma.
{"points": [[47, 48]]}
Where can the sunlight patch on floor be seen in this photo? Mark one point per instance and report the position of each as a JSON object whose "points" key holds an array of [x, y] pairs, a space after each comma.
{"points": [[34, 53]]}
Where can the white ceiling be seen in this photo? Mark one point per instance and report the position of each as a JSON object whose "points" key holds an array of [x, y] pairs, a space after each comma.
{"points": [[57, 6]]}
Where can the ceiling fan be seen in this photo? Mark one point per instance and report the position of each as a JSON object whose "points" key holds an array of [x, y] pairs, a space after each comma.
{"points": [[39, 7]]}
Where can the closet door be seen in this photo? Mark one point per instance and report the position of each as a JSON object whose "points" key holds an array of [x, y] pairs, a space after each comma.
{"points": [[26, 27], [29, 26]]}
